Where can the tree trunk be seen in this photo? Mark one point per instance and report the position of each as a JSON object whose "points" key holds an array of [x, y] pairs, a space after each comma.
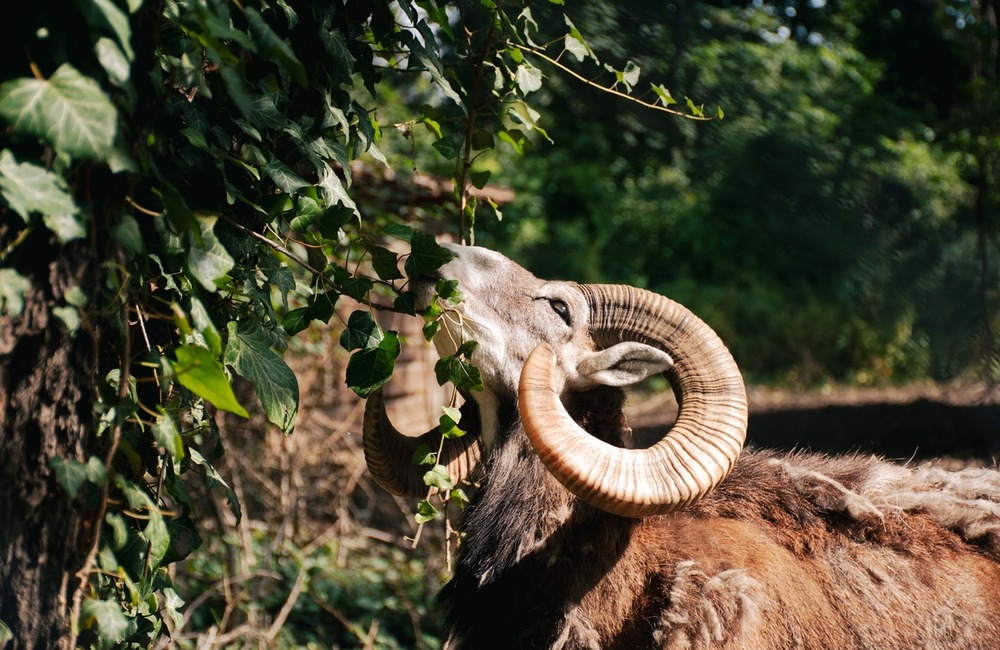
{"points": [[46, 411]]}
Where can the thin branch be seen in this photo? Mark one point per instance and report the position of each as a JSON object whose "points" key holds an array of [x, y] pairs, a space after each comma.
{"points": [[617, 93], [286, 609], [298, 260]]}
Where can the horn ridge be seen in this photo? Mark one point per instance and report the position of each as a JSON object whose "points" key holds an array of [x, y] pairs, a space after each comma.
{"points": [[698, 452], [389, 453]]}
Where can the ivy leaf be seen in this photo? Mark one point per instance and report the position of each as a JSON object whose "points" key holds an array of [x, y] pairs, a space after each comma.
{"points": [[166, 433], [406, 303], [369, 369], [198, 370], [155, 530], [479, 179], [424, 455], [297, 320], [250, 353], [426, 512], [426, 255], [448, 423], [107, 618], [399, 231], [361, 332], [32, 189], [72, 474], [356, 288], [68, 110], [528, 78], [208, 261], [459, 372], [384, 262], [213, 478], [438, 477], [275, 49], [13, 285]]}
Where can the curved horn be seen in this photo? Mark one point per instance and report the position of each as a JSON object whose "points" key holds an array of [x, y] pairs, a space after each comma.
{"points": [[389, 454], [697, 453]]}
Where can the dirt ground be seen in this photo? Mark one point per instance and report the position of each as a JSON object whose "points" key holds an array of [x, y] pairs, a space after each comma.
{"points": [[950, 425]]}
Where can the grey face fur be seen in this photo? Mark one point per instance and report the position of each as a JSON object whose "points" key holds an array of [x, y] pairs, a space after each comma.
{"points": [[509, 311]]}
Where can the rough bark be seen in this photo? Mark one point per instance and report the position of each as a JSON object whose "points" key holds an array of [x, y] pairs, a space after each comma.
{"points": [[46, 411]]}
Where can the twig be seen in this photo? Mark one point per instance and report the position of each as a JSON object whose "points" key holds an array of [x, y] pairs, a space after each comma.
{"points": [[617, 93], [286, 609]]}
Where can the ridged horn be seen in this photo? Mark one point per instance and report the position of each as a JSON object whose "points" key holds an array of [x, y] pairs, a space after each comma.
{"points": [[389, 453], [699, 450]]}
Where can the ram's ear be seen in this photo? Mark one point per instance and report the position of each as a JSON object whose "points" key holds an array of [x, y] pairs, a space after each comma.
{"points": [[622, 364]]}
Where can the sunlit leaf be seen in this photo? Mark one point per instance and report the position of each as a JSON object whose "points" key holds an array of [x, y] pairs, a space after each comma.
{"points": [[426, 512], [250, 353], [438, 477], [30, 189], [12, 288], [426, 255], [107, 619], [68, 110], [208, 260], [198, 370]]}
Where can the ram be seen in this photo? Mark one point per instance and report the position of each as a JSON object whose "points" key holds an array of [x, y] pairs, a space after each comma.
{"points": [[575, 539]]}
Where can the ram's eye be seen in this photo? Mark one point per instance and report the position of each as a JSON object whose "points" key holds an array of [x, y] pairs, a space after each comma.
{"points": [[561, 308]]}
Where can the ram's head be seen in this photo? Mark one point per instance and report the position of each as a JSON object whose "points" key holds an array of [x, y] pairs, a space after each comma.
{"points": [[541, 342]]}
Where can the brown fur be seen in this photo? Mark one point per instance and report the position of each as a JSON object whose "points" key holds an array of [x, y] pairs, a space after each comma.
{"points": [[791, 551]]}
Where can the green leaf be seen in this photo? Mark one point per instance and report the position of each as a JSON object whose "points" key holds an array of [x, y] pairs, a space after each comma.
{"points": [[155, 531], [459, 372], [398, 231], [369, 369], [68, 110], [297, 320], [446, 146], [406, 303], [575, 46], [12, 289], [106, 14], [357, 288], [166, 433], [696, 109], [107, 618], [384, 262], [198, 370], [663, 94], [631, 74], [208, 261], [5, 634], [361, 332], [250, 353], [272, 47], [458, 495], [448, 423], [72, 474], [32, 189], [528, 78], [128, 235], [426, 255], [426, 512], [438, 477], [424, 455], [479, 179], [213, 478]]}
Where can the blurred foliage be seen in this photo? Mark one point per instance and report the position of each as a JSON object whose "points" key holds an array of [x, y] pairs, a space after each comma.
{"points": [[840, 224]]}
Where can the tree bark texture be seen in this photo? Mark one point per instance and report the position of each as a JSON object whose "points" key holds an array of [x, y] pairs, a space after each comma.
{"points": [[46, 411]]}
